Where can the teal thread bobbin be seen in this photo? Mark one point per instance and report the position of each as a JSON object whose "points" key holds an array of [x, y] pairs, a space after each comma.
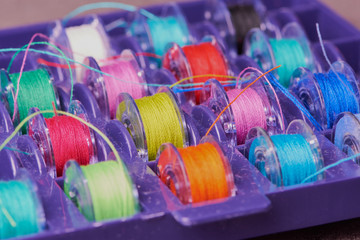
{"points": [[291, 51], [155, 34], [28, 215]]}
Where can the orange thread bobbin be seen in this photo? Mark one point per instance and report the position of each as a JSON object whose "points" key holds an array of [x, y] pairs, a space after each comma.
{"points": [[196, 174]]}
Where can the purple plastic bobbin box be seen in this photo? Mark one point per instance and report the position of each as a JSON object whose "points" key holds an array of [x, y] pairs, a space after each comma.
{"points": [[253, 211]]}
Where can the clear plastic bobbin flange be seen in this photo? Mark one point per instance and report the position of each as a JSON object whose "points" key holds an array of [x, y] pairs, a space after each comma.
{"points": [[265, 154], [346, 134], [39, 132]]}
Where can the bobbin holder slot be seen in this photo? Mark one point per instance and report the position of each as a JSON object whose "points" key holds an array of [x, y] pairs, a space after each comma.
{"points": [[259, 208]]}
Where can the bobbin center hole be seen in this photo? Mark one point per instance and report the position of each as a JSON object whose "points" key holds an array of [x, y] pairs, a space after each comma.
{"points": [[306, 99], [351, 147]]}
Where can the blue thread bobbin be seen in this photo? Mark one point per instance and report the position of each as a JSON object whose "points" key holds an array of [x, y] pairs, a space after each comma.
{"points": [[131, 118], [258, 47], [266, 158], [96, 84], [217, 100], [346, 134], [305, 86], [38, 131]]}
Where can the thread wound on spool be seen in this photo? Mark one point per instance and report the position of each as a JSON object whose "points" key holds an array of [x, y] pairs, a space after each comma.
{"points": [[70, 140], [248, 111], [244, 18], [161, 122], [289, 54], [203, 58], [18, 213], [293, 153], [197, 186], [35, 90], [167, 30], [86, 40], [123, 70], [339, 96], [111, 191]]}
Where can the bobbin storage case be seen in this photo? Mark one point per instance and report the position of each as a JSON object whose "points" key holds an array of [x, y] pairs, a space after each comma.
{"points": [[254, 211]]}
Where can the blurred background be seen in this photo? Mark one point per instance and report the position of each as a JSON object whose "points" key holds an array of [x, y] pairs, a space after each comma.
{"points": [[20, 12]]}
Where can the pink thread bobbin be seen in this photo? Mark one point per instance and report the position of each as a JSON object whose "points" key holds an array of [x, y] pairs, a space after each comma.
{"points": [[257, 106], [129, 78]]}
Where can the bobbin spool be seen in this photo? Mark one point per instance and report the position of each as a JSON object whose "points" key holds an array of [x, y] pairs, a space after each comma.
{"points": [[58, 35], [257, 46], [177, 63], [79, 192], [346, 134], [7, 91], [218, 100], [39, 132], [304, 85], [23, 176], [218, 13], [96, 83], [131, 118], [140, 29], [173, 170], [267, 159]]}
